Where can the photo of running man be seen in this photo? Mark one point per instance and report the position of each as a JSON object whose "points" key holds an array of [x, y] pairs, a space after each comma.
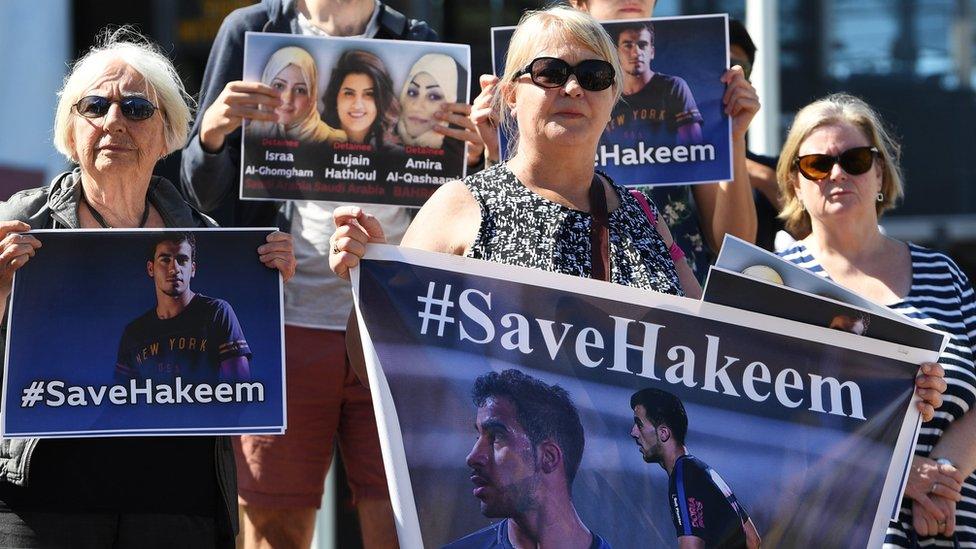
{"points": [[529, 446], [704, 510], [186, 334]]}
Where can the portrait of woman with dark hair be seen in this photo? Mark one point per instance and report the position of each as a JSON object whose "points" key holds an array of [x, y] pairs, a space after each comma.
{"points": [[359, 98]]}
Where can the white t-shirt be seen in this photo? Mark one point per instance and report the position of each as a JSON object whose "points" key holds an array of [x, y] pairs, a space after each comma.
{"points": [[315, 297]]}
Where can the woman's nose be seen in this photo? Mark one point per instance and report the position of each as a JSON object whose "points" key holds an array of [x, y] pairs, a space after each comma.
{"points": [[572, 87]]}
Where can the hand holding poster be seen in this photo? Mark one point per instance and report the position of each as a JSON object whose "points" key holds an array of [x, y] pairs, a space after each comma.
{"points": [[626, 418], [669, 128], [359, 120], [153, 332]]}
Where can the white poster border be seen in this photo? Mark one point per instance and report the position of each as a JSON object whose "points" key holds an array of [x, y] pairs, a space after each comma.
{"points": [[391, 442], [211, 431]]}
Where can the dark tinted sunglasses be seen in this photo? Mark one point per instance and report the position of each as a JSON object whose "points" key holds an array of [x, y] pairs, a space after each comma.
{"points": [[552, 72], [853, 161], [133, 107]]}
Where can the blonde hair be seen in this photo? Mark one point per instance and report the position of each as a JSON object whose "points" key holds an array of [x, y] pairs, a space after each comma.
{"points": [[538, 28], [165, 89], [833, 109]]}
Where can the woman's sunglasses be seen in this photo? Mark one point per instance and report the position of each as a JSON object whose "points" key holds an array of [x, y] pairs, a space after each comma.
{"points": [[133, 107], [853, 161], [552, 72]]}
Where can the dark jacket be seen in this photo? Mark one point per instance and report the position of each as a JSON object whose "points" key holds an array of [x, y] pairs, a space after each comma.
{"points": [[56, 207], [212, 181]]}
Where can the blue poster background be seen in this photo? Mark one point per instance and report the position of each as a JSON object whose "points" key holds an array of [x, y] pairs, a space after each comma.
{"points": [[73, 300], [806, 479], [694, 48]]}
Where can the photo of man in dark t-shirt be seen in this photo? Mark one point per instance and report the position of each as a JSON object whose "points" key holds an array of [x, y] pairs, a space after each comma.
{"points": [[656, 108], [703, 508], [186, 335]]}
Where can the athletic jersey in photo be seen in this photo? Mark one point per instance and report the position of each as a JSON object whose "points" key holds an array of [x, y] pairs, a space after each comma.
{"points": [[703, 505]]}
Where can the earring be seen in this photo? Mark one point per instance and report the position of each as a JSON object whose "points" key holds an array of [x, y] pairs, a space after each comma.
{"points": [[880, 196], [802, 207]]}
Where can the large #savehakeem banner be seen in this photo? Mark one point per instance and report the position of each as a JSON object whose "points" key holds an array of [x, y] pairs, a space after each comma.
{"points": [[803, 432]]}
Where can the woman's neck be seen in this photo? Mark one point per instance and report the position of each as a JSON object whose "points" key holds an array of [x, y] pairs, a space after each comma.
{"points": [[120, 202], [338, 17], [561, 178], [358, 136], [856, 241]]}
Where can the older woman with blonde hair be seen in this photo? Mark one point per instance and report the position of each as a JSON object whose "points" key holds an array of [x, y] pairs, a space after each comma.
{"points": [[699, 216], [121, 110], [838, 173], [561, 81], [292, 72]]}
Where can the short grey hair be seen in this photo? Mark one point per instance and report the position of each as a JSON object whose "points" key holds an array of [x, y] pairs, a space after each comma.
{"points": [[166, 90]]}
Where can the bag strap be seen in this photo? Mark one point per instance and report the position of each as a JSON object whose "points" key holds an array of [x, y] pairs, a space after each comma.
{"points": [[645, 205], [599, 232]]}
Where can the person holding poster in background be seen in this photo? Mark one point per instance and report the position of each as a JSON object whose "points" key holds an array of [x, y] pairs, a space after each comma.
{"points": [[704, 509], [282, 477], [838, 173], [291, 71], [121, 110], [700, 215]]}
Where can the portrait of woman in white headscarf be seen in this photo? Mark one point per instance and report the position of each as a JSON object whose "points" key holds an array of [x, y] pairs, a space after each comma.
{"points": [[292, 71], [432, 82]]}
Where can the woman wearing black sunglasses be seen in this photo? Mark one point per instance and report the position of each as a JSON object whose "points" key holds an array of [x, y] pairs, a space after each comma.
{"points": [[838, 174], [699, 215], [122, 109], [545, 207]]}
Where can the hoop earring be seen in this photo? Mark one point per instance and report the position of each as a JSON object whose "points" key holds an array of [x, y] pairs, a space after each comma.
{"points": [[880, 196]]}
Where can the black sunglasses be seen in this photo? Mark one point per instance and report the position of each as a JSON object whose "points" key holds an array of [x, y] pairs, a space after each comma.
{"points": [[133, 107], [552, 72], [854, 161]]}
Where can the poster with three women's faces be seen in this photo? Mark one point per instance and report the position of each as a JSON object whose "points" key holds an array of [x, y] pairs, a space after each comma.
{"points": [[357, 121]]}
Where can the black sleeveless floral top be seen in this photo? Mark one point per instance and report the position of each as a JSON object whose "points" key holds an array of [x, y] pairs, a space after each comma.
{"points": [[519, 227]]}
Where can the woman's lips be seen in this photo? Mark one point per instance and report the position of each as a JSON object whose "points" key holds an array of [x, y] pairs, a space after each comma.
{"points": [[115, 148], [631, 9]]}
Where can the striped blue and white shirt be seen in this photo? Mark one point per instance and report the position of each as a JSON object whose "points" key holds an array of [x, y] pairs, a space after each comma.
{"points": [[940, 297]]}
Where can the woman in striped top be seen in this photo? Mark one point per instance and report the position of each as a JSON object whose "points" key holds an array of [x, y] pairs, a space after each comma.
{"points": [[838, 173]]}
